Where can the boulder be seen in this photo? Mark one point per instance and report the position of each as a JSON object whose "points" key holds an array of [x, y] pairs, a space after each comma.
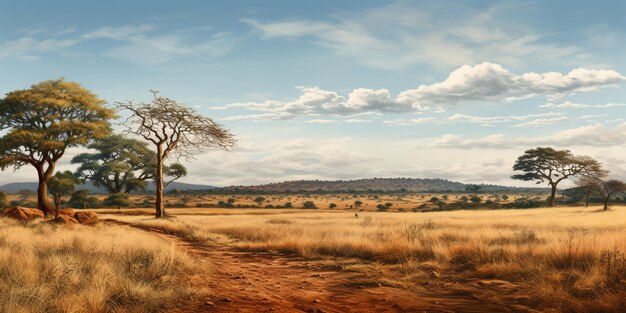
{"points": [[22, 214], [63, 220], [66, 211], [87, 218]]}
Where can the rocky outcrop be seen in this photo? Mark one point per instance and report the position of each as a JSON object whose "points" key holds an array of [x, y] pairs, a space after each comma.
{"points": [[22, 214], [87, 218]]}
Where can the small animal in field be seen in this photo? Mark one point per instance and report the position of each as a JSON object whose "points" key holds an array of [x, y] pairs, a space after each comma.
{"points": [[356, 215]]}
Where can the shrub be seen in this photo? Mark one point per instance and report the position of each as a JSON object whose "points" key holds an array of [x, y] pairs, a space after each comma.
{"points": [[309, 205], [117, 200]]}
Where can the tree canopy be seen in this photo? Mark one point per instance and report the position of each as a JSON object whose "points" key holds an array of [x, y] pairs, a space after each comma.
{"points": [[43, 121], [122, 164], [60, 185], [175, 130], [547, 165]]}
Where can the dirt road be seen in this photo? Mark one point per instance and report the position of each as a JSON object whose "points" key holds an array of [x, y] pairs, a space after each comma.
{"points": [[245, 281]]}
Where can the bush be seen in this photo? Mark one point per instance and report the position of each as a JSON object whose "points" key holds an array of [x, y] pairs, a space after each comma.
{"points": [[117, 200], [309, 205], [382, 207], [81, 199]]}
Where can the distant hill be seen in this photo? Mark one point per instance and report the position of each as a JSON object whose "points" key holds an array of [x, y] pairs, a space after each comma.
{"points": [[368, 185], [15, 187]]}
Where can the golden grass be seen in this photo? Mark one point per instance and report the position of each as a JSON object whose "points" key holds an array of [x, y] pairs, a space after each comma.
{"points": [[556, 253], [106, 268]]}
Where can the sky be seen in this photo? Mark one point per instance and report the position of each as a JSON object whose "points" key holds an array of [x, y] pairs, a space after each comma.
{"points": [[345, 89]]}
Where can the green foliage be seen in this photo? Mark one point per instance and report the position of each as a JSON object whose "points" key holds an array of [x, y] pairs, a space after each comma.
{"points": [[259, 200], [382, 207], [62, 184], [117, 200], [309, 205], [122, 164], [40, 123], [473, 188], [332, 205], [81, 199], [475, 199]]}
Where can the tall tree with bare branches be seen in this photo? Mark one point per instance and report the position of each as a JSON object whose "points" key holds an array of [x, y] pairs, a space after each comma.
{"points": [[176, 130]]}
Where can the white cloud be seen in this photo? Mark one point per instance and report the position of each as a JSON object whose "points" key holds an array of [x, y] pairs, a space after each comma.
{"points": [[497, 119], [542, 122], [596, 135], [404, 122], [135, 43], [486, 82], [572, 105], [400, 35]]}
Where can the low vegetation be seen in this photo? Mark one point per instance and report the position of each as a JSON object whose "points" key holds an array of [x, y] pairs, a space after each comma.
{"points": [[105, 268], [566, 258]]}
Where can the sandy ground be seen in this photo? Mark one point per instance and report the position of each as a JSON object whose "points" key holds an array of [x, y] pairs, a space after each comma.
{"points": [[269, 282]]}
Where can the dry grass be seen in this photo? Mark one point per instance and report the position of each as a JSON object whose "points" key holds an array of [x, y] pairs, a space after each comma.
{"points": [[556, 254], [88, 269]]}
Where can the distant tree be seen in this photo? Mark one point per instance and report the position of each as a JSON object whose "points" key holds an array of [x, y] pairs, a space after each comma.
{"points": [[388, 204], [288, 205], [358, 203], [25, 193], [60, 185], [40, 123], [381, 207], [231, 201], [332, 206], [587, 186], [434, 200], [444, 197], [259, 200], [473, 188], [610, 188], [505, 197], [553, 166], [309, 205], [464, 198], [117, 200], [3, 200], [82, 199], [475, 199], [122, 164], [174, 129]]}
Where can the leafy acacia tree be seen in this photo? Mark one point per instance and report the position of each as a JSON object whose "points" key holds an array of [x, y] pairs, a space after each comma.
{"points": [[609, 188], [45, 120], [553, 166], [122, 165], [60, 185], [175, 130]]}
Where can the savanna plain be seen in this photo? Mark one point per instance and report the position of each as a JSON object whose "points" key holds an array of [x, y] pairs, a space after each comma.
{"points": [[567, 258]]}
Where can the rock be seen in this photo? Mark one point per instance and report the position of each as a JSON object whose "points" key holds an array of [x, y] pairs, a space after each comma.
{"points": [[67, 212], [226, 300], [209, 303], [22, 214], [87, 218], [63, 220]]}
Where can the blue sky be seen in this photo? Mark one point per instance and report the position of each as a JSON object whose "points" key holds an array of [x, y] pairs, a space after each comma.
{"points": [[350, 89]]}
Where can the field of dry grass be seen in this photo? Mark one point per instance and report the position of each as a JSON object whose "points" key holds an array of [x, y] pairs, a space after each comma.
{"points": [[567, 258], [106, 268]]}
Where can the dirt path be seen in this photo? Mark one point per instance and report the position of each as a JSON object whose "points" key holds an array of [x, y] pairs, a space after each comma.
{"points": [[267, 282]]}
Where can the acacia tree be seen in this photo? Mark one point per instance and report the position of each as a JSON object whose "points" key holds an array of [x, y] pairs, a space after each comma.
{"points": [[553, 166], [45, 120], [609, 188], [175, 130], [60, 185], [588, 186], [122, 165]]}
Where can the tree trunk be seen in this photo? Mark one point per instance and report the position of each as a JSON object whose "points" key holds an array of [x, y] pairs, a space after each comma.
{"points": [[158, 182], [42, 193], [587, 201], [57, 206], [553, 195], [606, 203]]}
